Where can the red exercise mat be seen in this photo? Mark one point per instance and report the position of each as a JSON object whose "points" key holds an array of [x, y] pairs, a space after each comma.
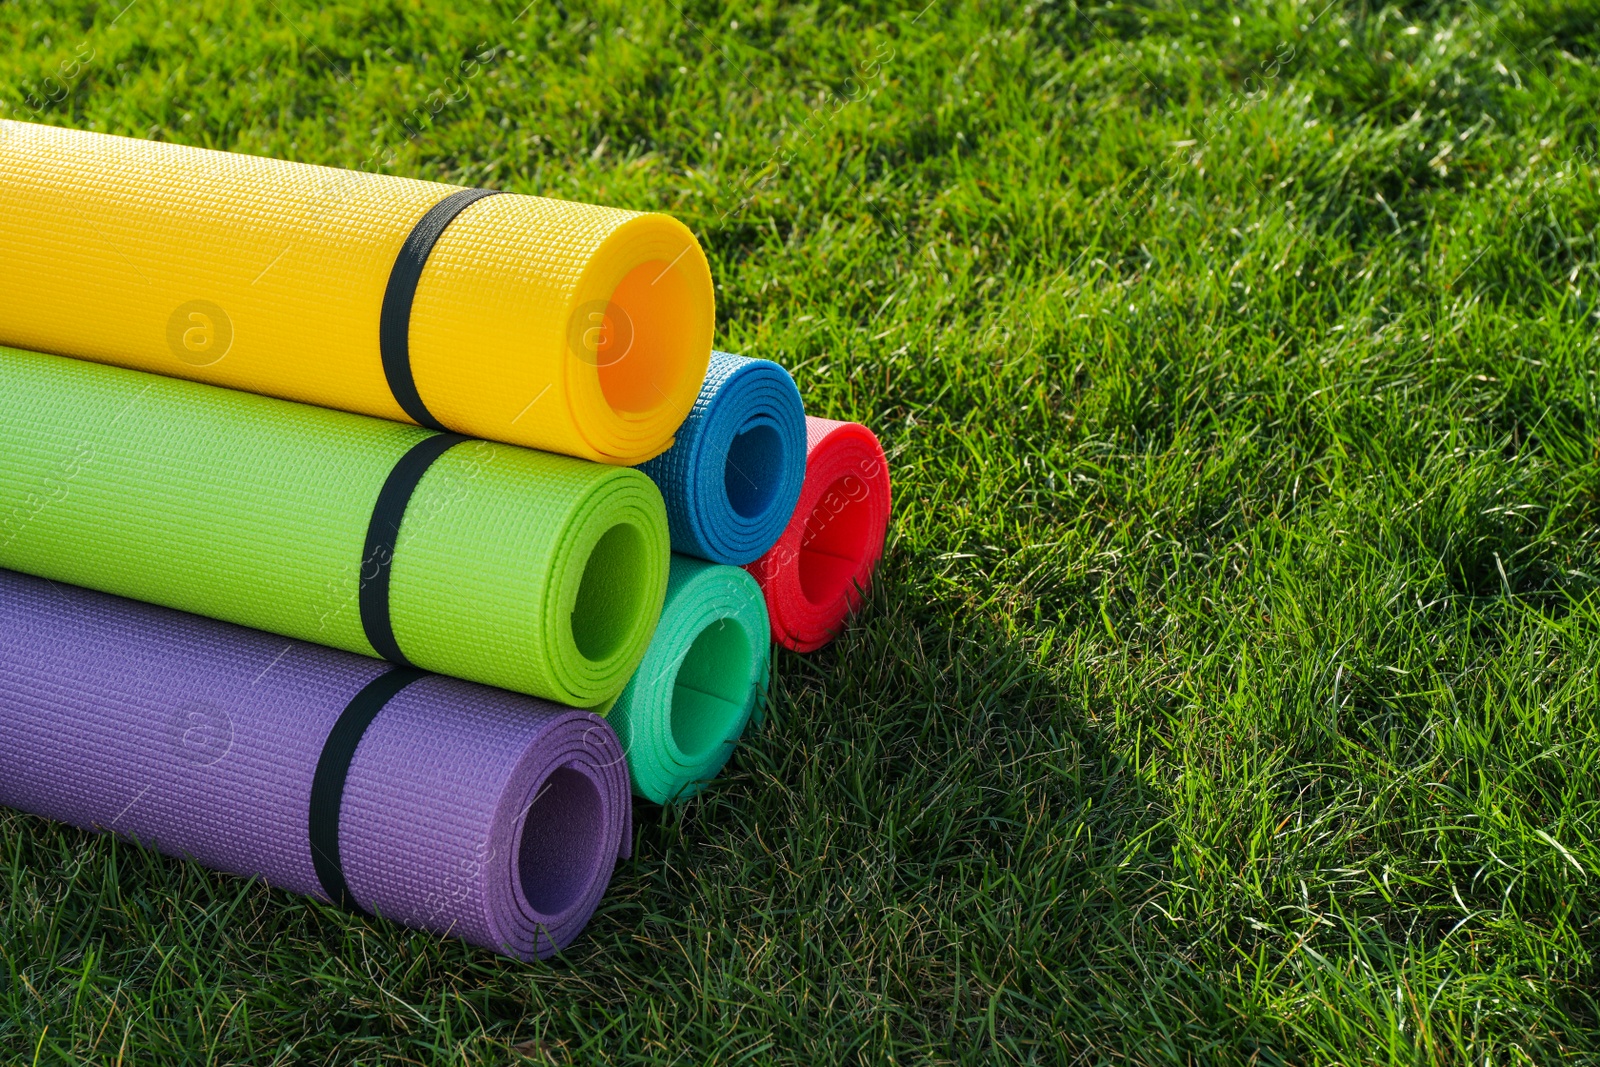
{"points": [[814, 576]]}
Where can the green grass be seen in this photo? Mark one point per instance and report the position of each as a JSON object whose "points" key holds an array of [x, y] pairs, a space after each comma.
{"points": [[1230, 691]]}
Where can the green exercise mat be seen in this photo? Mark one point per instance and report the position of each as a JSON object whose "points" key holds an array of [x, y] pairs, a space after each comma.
{"points": [[530, 571], [697, 687]]}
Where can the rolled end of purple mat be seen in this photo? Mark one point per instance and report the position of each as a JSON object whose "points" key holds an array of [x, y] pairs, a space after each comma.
{"points": [[430, 801], [518, 862]]}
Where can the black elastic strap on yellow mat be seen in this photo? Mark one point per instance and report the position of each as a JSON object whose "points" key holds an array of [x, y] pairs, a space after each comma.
{"points": [[394, 322], [382, 530], [333, 767]]}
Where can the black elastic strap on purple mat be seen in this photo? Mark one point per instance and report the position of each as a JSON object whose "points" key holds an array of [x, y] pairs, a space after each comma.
{"points": [[333, 767], [394, 320], [383, 528]]}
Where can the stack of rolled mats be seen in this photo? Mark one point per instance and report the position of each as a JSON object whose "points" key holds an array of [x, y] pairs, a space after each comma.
{"points": [[378, 538]]}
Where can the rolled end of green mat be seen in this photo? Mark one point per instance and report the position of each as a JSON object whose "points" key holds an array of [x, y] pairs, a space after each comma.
{"points": [[700, 681], [570, 608], [525, 570]]}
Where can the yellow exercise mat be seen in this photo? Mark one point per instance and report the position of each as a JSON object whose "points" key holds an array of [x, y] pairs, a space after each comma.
{"points": [[565, 327]]}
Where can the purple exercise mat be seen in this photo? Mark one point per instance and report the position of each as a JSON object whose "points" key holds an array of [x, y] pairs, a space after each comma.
{"points": [[468, 811]]}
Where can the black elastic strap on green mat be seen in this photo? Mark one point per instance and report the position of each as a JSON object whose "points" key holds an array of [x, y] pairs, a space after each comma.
{"points": [[382, 530], [333, 767], [394, 321]]}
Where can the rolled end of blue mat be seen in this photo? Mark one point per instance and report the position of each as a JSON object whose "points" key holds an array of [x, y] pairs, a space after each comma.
{"points": [[733, 477]]}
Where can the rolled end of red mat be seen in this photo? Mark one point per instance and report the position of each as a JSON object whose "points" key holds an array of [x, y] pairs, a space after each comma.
{"points": [[813, 578]]}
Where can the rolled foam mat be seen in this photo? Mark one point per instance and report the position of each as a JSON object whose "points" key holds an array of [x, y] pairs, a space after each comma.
{"points": [[534, 572], [705, 674], [426, 800], [567, 327], [732, 478], [814, 576]]}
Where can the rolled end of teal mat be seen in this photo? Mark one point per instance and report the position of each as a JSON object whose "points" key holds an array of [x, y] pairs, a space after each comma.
{"points": [[732, 479], [703, 676]]}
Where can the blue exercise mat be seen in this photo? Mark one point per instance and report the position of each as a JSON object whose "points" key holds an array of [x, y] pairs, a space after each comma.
{"points": [[732, 479]]}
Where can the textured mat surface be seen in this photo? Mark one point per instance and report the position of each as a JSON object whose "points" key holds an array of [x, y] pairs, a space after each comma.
{"points": [[567, 327], [814, 575], [732, 478], [467, 810], [538, 573], [705, 674]]}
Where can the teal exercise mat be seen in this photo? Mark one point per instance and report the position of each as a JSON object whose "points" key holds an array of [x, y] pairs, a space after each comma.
{"points": [[703, 678], [537, 573]]}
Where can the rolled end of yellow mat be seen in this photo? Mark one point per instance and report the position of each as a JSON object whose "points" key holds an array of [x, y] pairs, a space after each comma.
{"points": [[564, 327]]}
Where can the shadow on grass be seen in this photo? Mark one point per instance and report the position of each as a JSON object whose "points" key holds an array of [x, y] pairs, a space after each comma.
{"points": [[927, 848]]}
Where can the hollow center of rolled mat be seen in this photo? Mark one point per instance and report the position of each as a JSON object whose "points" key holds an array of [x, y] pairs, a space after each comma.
{"points": [[561, 840], [712, 688], [754, 460], [835, 541], [610, 595], [644, 349]]}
